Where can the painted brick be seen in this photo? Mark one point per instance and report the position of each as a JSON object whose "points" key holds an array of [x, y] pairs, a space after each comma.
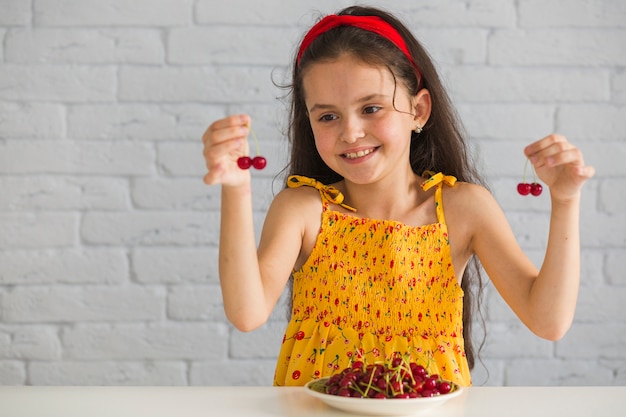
{"points": [[12, 373], [147, 373], [601, 122], [91, 303], [514, 339], [84, 46], [112, 12], [155, 341], [141, 121], [557, 372], [15, 13], [481, 13], [270, 12], [572, 13], [602, 232], [71, 266], [175, 194], [175, 265], [149, 228], [263, 342], [63, 193], [193, 194], [37, 230], [31, 342], [185, 158], [195, 84], [515, 85], [618, 87], [193, 303], [445, 47], [192, 46], [57, 83], [503, 124], [615, 267], [233, 373], [32, 120], [564, 47], [488, 372], [50, 157], [575, 345]]}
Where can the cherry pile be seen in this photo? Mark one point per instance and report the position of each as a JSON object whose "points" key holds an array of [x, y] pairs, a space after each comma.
{"points": [[258, 162], [534, 188], [398, 379]]}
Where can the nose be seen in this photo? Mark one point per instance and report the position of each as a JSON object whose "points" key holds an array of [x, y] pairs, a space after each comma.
{"points": [[351, 130]]}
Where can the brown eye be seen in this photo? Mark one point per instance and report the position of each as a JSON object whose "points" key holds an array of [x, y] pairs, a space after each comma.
{"points": [[371, 109], [327, 118]]}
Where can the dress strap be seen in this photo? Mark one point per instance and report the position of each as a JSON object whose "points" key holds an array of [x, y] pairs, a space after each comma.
{"points": [[328, 193], [438, 180]]}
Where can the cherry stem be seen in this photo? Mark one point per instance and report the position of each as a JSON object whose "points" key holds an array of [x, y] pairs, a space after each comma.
{"points": [[534, 173], [256, 141]]}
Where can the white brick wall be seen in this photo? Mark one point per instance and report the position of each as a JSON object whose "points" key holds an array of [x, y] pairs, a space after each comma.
{"points": [[108, 237]]}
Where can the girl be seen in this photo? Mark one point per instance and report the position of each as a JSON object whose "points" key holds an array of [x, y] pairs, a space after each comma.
{"points": [[379, 268]]}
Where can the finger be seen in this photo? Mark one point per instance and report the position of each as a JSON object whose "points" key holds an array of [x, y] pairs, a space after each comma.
{"points": [[215, 152], [556, 156], [235, 126], [586, 171], [232, 120], [554, 153], [542, 144]]}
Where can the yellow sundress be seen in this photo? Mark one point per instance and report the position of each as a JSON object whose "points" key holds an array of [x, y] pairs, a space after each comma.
{"points": [[372, 289]]}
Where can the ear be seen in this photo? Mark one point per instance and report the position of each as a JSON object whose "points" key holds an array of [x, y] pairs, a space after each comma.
{"points": [[422, 107]]}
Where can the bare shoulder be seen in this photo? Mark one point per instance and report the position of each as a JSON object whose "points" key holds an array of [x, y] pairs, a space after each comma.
{"points": [[299, 200], [293, 221], [296, 208], [470, 208], [468, 197]]}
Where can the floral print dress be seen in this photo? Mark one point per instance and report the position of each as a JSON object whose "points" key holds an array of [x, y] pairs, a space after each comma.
{"points": [[372, 289]]}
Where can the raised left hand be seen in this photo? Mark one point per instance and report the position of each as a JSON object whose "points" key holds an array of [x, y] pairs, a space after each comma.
{"points": [[560, 166]]}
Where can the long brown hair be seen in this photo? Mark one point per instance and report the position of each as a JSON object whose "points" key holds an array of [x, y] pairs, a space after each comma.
{"points": [[440, 147]]}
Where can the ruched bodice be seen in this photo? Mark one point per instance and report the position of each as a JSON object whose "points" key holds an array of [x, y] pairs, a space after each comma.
{"points": [[371, 289]]}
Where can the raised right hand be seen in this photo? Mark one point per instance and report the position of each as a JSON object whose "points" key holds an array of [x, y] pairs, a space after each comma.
{"points": [[224, 142]]}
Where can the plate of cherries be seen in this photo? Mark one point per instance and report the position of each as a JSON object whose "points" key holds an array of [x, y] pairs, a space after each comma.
{"points": [[386, 389]]}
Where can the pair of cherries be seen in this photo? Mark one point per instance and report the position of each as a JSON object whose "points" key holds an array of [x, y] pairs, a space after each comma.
{"points": [[525, 188], [245, 162], [258, 162]]}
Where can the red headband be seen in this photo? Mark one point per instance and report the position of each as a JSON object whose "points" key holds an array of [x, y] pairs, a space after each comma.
{"points": [[370, 23]]}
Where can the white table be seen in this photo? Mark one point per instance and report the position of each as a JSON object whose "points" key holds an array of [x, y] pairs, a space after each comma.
{"points": [[294, 402]]}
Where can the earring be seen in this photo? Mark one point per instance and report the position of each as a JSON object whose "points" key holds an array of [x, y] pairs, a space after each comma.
{"points": [[418, 128]]}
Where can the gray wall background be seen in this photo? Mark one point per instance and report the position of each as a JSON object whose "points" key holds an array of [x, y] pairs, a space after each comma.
{"points": [[108, 237]]}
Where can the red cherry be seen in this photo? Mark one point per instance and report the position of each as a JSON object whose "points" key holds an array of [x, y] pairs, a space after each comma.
{"points": [[524, 188], [259, 162], [444, 387], [536, 189], [244, 162]]}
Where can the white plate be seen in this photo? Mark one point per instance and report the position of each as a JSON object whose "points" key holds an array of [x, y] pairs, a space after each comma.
{"points": [[381, 407]]}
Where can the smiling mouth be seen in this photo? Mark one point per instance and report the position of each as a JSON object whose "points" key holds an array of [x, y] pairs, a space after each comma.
{"points": [[359, 154]]}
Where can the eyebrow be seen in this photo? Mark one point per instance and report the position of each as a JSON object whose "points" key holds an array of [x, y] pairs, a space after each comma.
{"points": [[319, 106]]}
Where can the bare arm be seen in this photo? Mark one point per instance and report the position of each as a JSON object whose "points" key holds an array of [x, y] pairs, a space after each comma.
{"points": [[251, 281], [545, 300]]}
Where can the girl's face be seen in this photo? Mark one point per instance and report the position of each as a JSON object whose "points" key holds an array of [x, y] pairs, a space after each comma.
{"points": [[361, 119]]}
